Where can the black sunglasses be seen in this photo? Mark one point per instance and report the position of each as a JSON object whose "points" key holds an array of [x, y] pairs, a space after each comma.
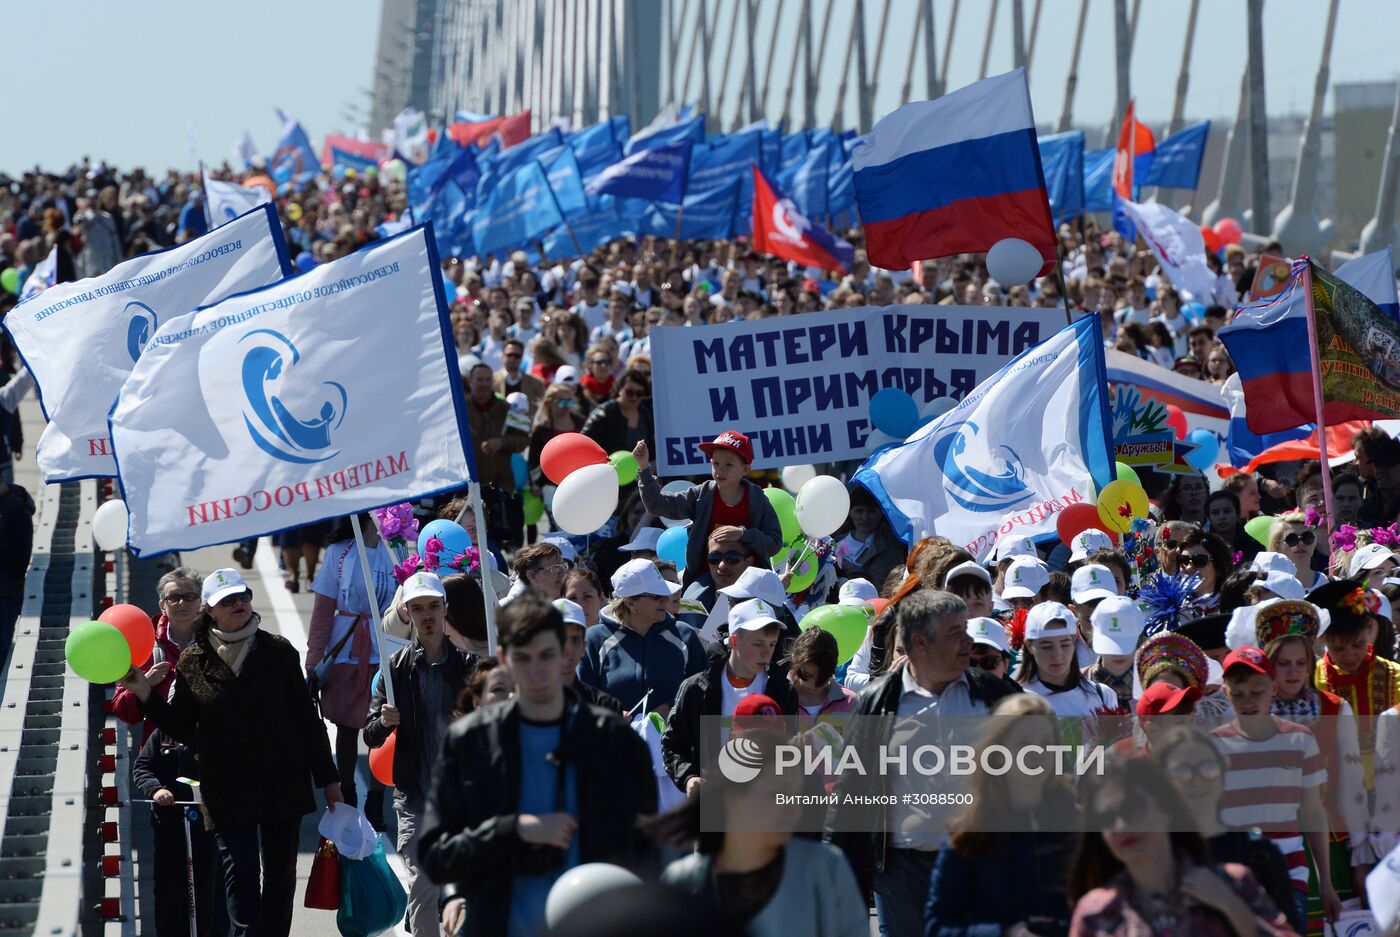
{"points": [[1196, 561], [235, 599], [731, 557], [1129, 810], [986, 662], [1307, 537]]}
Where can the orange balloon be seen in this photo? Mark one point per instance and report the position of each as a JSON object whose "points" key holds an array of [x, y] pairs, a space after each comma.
{"points": [[381, 760], [135, 625], [879, 605]]}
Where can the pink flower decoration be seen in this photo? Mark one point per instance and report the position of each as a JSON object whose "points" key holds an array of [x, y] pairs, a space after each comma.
{"points": [[1386, 536], [1312, 518], [407, 568], [431, 549], [1344, 538]]}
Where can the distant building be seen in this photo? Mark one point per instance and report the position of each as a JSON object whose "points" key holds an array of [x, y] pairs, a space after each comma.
{"points": [[403, 61]]}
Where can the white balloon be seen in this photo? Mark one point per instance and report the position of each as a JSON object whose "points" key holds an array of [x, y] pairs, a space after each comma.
{"points": [[878, 439], [671, 488], [586, 499], [938, 406], [583, 883], [1012, 261], [109, 525], [795, 476], [822, 506]]}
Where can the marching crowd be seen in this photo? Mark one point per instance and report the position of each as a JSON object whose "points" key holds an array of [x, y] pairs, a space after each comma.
{"points": [[578, 738]]}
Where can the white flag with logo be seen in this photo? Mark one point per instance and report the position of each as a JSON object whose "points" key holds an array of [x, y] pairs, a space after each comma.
{"points": [[1177, 244], [225, 201], [81, 339], [332, 392], [1029, 441], [43, 276]]}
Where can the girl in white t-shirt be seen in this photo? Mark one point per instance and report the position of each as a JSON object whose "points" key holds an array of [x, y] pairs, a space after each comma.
{"points": [[1048, 669]]}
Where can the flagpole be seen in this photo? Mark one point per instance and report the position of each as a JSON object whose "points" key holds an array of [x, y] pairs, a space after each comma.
{"points": [[488, 590], [676, 241], [377, 624], [1317, 395]]}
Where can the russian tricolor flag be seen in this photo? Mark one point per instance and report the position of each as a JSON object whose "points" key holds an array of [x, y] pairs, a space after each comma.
{"points": [[954, 176]]}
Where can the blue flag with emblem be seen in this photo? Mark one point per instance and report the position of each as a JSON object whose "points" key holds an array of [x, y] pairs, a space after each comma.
{"points": [[1022, 446], [658, 174], [517, 210], [283, 406], [294, 159]]}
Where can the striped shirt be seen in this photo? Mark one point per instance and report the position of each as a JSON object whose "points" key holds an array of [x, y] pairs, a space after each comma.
{"points": [[1265, 784]]}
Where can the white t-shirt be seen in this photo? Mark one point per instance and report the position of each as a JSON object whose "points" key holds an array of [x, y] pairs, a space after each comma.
{"points": [[730, 695], [1084, 700], [340, 577], [491, 351], [592, 316]]}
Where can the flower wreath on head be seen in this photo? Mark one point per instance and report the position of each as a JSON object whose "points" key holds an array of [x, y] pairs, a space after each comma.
{"points": [[1361, 602], [468, 561]]}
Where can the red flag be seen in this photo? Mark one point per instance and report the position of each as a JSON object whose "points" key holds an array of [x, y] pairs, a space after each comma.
{"points": [[514, 129], [781, 230], [1123, 159]]}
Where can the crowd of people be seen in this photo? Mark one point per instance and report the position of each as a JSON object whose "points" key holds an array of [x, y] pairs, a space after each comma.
{"points": [[579, 736]]}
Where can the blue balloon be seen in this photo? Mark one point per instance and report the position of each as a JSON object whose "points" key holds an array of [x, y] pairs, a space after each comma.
{"points": [[671, 545], [893, 411], [1207, 449], [454, 539], [520, 469]]}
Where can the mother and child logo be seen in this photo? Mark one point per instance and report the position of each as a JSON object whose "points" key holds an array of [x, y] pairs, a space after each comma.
{"points": [[271, 423]]}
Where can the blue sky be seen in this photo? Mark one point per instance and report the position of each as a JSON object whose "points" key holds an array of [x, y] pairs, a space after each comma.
{"points": [[131, 79]]}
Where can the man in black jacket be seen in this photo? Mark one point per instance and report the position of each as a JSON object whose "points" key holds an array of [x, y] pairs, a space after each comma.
{"points": [[426, 676], [531, 787], [748, 669], [893, 847]]}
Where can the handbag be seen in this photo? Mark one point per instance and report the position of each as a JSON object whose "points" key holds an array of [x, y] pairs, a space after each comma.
{"points": [[323, 884], [341, 690]]}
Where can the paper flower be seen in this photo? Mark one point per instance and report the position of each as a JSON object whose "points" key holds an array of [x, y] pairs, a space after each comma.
{"points": [[407, 568], [397, 523], [1344, 538], [1361, 601], [1386, 536], [431, 549], [1313, 518]]}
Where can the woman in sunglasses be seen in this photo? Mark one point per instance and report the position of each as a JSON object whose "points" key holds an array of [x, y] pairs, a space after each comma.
{"points": [[1142, 868], [1205, 556], [599, 375], [1291, 536], [240, 695], [1197, 769], [626, 419]]}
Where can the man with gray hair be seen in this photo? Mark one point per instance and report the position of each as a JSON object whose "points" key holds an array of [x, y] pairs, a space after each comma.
{"points": [[892, 847], [177, 596]]}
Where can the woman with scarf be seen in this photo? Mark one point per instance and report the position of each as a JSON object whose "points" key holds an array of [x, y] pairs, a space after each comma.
{"points": [[177, 595], [240, 697]]}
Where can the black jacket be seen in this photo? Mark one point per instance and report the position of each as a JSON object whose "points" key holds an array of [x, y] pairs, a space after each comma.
{"points": [[866, 850], [469, 836], [161, 761], [607, 426], [16, 541], [595, 697], [261, 742], [408, 695], [702, 695]]}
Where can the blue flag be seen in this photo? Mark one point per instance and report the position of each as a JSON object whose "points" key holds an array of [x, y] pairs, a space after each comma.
{"points": [[656, 175], [561, 169], [596, 148], [518, 209], [807, 180], [448, 208], [527, 150], [692, 131], [294, 159], [795, 147], [707, 217], [841, 181], [1098, 177], [591, 230], [1176, 162], [1062, 159], [347, 160], [715, 166]]}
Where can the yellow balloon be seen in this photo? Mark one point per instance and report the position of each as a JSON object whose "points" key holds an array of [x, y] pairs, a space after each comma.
{"points": [[1120, 503]]}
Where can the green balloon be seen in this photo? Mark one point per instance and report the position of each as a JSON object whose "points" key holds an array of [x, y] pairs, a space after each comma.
{"points": [[626, 466], [1258, 528], [1125, 473], [846, 623], [9, 280], [97, 652], [786, 507], [534, 508], [806, 573]]}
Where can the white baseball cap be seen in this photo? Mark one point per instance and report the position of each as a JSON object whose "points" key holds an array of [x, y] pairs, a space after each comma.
{"points": [[220, 584], [517, 402], [1369, 557], [1118, 623], [754, 583], [857, 592], [968, 568], [563, 546], [647, 538], [753, 615], [572, 612], [1277, 562], [1088, 541], [1024, 578], [641, 577], [567, 374], [988, 631], [423, 583], [1092, 581], [1040, 621], [1008, 547], [1283, 585]]}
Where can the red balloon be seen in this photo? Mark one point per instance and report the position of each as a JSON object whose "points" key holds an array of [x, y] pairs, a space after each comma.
{"points": [[135, 625], [381, 760], [1229, 231], [1076, 519], [1176, 420], [879, 605], [569, 452], [1211, 238]]}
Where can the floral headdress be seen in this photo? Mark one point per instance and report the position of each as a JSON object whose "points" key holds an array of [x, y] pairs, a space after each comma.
{"points": [[1174, 653], [1361, 602], [1284, 618]]}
